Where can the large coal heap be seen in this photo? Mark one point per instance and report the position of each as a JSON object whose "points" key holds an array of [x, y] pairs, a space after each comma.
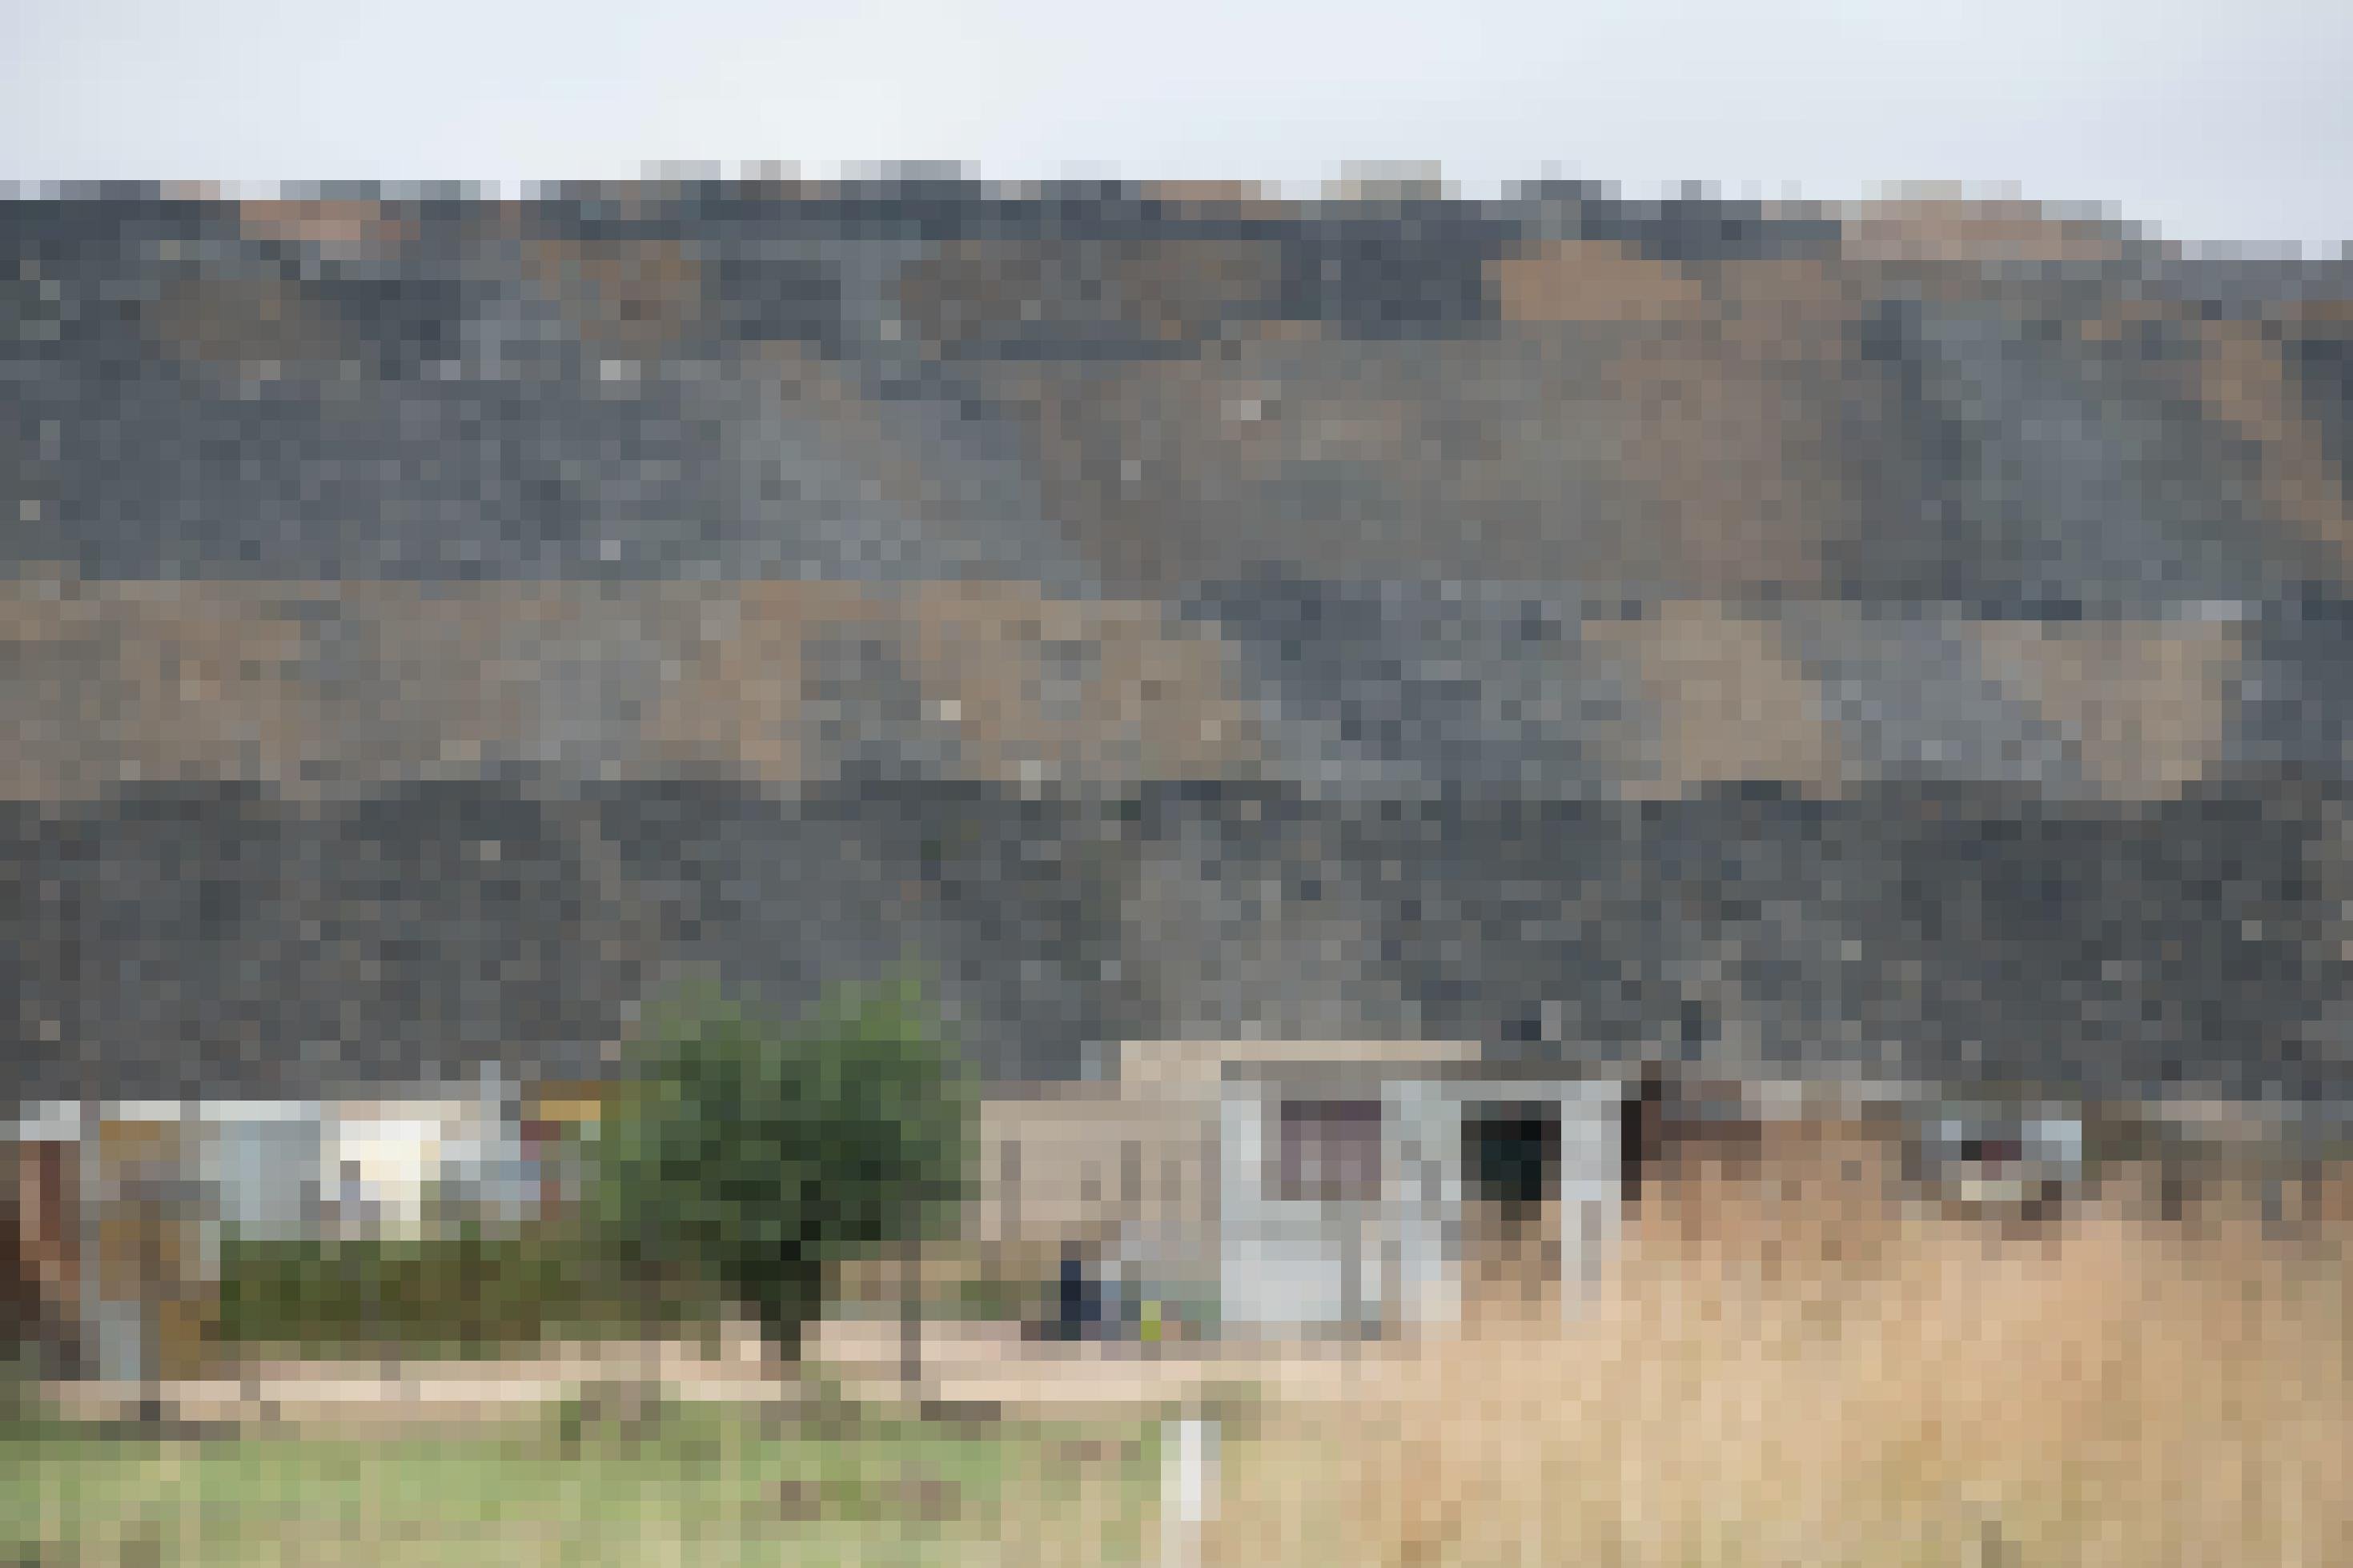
{"points": [[1902, 637]]}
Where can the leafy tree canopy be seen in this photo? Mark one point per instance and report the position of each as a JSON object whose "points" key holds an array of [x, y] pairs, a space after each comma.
{"points": [[761, 1154]]}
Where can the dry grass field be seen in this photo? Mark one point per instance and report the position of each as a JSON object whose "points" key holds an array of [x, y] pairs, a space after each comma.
{"points": [[1782, 1369]]}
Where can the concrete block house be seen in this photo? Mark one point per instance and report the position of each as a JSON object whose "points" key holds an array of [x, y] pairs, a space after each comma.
{"points": [[1391, 1191], [1317, 1187]]}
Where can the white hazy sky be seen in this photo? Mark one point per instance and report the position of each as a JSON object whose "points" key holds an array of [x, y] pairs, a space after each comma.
{"points": [[2214, 121]]}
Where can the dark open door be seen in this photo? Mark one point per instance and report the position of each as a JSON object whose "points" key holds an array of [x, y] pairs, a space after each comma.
{"points": [[1511, 1157]]}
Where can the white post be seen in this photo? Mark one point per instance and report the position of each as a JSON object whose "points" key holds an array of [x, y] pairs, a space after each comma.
{"points": [[1188, 1488]]}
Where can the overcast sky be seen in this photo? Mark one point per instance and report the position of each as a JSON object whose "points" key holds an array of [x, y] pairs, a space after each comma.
{"points": [[2214, 121]]}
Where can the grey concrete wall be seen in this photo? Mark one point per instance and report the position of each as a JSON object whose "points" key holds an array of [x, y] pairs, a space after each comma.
{"points": [[1289, 1266]]}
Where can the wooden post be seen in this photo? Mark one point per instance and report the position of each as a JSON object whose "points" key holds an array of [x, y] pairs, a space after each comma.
{"points": [[1008, 1197], [911, 1314]]}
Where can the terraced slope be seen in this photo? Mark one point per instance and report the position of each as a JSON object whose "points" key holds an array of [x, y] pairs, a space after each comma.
{"points": [[1908, 637]]}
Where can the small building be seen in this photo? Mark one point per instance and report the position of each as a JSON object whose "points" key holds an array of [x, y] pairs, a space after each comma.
{"points": [[116, 1210], [1364, 1187], [1094, 1176]]}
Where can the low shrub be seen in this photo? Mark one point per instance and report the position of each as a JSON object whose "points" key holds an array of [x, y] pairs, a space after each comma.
{"points": [[458, 1292]]}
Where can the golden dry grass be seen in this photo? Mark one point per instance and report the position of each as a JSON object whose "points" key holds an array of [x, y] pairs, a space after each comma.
{"points": [[1803, 1377]]}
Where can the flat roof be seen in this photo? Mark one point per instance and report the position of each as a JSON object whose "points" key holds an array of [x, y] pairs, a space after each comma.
{"points": [[1203, 1063], [1449, 1074]]}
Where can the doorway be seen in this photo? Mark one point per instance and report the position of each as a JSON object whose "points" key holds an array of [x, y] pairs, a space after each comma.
{"points": [[1511, 1153]]}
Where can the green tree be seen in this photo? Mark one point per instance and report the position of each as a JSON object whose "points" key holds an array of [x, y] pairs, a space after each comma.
{"points": [[760, 1156]]}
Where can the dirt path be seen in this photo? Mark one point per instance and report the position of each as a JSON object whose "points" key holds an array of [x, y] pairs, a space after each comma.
{"points": [[975, 1366]]}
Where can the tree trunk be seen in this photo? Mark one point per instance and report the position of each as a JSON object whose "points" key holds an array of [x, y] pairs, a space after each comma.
{"points": [[911, 1320]]}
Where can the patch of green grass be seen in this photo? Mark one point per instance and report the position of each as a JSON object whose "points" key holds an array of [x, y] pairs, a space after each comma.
{"points": [[692, 1485]]}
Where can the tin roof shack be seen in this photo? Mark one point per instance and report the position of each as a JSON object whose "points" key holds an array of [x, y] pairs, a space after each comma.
{"points": [[119, 1208]]}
